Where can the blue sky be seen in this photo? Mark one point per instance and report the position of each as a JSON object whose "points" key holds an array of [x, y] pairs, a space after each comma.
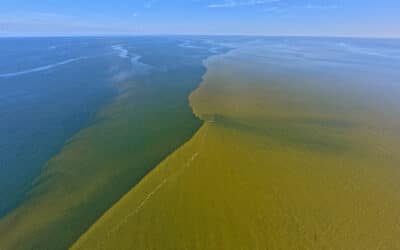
{"points": [[372, 18]]}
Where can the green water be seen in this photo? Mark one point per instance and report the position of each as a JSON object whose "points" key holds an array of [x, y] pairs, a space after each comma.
{"points": [[147, 120]]}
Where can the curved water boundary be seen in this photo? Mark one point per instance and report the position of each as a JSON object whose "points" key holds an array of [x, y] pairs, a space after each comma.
{"points": [[148, 120], [260, 174], [41, 68]]}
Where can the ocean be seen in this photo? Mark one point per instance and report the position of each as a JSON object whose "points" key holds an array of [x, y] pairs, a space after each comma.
{"points": [[83, 120], [50, 88]]}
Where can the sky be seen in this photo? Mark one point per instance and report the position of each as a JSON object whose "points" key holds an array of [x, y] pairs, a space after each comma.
{"points": [[355, 18]]}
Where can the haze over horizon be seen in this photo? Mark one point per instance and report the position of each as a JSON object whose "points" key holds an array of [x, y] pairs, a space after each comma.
{"points": [[201, 17]]}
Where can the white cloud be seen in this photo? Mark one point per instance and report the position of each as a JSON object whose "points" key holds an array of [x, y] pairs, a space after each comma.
{"points": [[322, 7], [237, 3]]}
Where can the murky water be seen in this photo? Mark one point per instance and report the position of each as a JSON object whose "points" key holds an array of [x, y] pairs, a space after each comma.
{"points": [[299, 150]]}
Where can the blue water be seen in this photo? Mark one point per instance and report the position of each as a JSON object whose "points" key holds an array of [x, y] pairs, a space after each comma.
{"points": [[50, 88]]}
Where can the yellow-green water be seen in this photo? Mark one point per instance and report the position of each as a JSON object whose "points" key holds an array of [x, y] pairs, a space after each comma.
{"points": [[284, 160]]}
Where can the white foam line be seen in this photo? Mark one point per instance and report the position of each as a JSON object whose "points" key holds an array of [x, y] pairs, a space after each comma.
{"points": [[155, 190], [189, 45], [123, 53], [364, 50], [42, 68], [138, 208], [135, 59]]}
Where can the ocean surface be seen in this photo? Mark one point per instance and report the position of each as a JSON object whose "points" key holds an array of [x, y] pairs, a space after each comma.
{"points": [[53, 88], [50, 88], [141, 115], [299, 149]]}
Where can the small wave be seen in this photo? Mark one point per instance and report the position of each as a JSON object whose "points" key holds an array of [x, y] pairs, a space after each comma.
{"points": [[42, 68], [141, 68], [122, 52], [136, 67], [228, 45], [189, 45], [362, 50], [214, 50]]}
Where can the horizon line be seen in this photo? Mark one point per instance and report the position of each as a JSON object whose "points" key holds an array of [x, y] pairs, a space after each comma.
{"points": [[189, 34]]}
